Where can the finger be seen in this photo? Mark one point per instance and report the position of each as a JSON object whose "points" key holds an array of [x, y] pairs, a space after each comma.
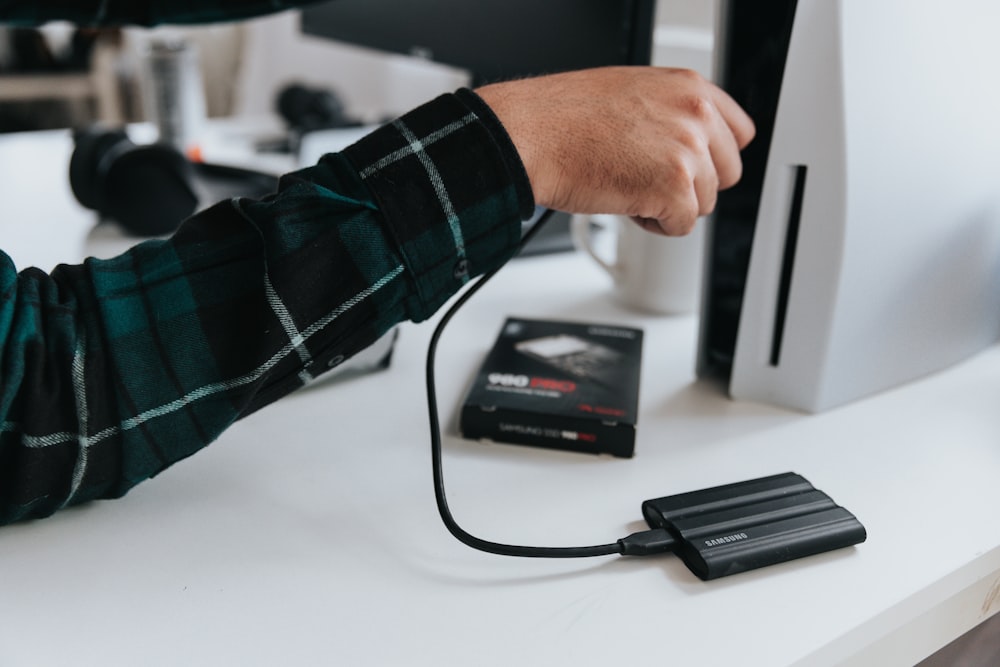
{"points": [[650, 225], [706, 183], [681, 210], [739, 123], [725, 154]]}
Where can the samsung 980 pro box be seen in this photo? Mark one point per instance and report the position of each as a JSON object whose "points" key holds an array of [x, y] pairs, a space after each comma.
{"points": [[562, 385]]}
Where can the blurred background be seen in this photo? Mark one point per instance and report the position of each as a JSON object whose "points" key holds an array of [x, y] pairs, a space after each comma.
{"points": [[60, 76]]}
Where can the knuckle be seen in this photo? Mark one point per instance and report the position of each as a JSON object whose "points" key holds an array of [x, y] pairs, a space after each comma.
{"points": [[707, 204], [689, 75], [692, 142], [686, 228], [679, 225], [679, 218], [681, 175], [698, 106]]}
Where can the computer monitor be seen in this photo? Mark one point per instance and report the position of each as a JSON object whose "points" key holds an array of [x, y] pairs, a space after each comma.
{"points": [[753, 41], [494, 39], [862, 249]]}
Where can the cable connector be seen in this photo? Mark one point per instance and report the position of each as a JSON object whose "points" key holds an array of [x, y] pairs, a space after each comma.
{"points": [[647, 543]]}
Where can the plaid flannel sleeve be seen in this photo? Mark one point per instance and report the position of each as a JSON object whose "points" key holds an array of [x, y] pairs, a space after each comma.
{"points": [[115, 369]]}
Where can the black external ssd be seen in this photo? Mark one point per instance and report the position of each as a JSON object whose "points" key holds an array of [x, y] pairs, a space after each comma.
{"points": [[738, 527]]}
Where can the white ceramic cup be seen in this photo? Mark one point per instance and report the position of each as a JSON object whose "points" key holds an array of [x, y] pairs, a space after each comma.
{"points": [[651, 273]]}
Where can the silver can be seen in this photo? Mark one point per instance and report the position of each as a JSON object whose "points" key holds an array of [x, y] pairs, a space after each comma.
{"points": [[174, 92]]}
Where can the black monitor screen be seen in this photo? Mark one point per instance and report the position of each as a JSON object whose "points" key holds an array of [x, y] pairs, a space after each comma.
{"points": [[494, 40], [754, 42]]}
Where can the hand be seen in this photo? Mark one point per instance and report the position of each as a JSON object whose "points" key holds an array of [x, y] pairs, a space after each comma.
{"points": [[656, 144]]}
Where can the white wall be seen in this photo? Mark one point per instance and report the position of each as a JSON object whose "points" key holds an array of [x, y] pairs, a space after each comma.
{"points": [[689, 13], [684, 34]]}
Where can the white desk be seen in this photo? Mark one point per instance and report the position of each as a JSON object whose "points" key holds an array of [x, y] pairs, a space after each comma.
{"points": [[308, 534]]}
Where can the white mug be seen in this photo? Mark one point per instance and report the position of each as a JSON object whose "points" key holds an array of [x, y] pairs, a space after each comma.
{"points": [[651, 273]]}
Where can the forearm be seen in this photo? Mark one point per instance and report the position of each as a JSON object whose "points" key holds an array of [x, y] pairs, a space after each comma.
{"points": [[129, 12], [114, 370]]}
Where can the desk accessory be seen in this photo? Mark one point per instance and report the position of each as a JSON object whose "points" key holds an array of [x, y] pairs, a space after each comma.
{"points": [[649, 273], [738, 527], [861, 248], [562, 385], [173, 90], [149, 189], [718, 531]]}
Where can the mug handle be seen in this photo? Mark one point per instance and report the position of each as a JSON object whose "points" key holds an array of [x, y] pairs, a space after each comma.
{"points": [[581, 227]]}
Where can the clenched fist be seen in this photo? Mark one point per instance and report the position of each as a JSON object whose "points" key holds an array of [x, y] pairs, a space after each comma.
{"points": [[653, 143]]}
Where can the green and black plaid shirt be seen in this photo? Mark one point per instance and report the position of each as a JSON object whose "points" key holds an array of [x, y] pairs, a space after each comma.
{"points": [[115, 369]]}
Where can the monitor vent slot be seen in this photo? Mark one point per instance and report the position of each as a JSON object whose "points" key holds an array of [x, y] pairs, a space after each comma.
{"points": [[788, 262]]}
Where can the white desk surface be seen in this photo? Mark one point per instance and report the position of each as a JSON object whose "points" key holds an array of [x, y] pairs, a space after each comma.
{"points": [[308, 535]]}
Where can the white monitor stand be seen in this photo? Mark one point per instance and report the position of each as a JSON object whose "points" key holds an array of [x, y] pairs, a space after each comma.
{"points": [[876, 252]]}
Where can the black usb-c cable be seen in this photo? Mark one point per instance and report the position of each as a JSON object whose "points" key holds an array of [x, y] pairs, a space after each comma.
{"points": [[717, 531], [643, 543]]}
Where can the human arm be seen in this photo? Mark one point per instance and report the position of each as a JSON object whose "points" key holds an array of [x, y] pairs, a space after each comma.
{"points": [[115, 369]]}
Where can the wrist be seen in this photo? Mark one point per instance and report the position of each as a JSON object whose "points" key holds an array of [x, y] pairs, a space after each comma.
{"points": [[505, 106], [509, 151]]}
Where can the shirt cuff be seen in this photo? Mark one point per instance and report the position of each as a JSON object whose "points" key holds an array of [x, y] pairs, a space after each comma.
{"points": [[451, 190]]}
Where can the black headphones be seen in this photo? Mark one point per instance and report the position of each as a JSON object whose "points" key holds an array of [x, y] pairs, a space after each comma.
{"points": [[150, 189]]}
